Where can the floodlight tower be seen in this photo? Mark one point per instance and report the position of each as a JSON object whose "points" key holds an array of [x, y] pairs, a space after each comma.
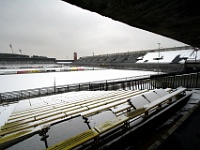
{"points": [[158, 50], [10, 45], [196, 50], [158, 56]]}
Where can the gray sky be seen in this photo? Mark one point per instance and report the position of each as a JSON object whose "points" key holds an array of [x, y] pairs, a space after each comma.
{"points": [[54, 28]]}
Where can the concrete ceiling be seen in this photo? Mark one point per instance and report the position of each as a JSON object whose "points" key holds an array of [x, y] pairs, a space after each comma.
{"points": [[176, 19]]}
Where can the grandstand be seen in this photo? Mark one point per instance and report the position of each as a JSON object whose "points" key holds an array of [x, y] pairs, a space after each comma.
{"points": [[8, 60], [165, 60], [131, 113], [88, 120]]}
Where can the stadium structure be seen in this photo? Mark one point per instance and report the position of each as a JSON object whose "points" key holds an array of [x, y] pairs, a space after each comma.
{"points": [[165, 60], [131, 113], [156, 112]]}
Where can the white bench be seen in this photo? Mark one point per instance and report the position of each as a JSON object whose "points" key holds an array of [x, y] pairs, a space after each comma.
{"points": [[164, 99]]}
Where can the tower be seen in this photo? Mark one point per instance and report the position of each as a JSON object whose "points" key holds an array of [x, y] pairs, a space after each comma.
{"points": [[75, 56]]}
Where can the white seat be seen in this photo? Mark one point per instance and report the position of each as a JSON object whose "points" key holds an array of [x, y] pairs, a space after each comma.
{"points": [[151, 96], [138, 101], [161, 92]]}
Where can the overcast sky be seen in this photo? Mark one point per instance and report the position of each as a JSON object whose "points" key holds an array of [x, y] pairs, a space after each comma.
{"points": [[57, 29]]}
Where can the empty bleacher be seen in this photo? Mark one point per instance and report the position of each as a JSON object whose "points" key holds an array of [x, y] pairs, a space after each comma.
{"points": [[170, 59], [72, 119], [8, 60], [109, 59]]}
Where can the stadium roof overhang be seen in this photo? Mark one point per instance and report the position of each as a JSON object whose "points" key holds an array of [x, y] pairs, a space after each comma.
{"points": [[179, 20]]}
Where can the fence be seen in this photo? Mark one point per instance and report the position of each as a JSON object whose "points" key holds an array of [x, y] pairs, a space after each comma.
{"points": [[190, 80]]}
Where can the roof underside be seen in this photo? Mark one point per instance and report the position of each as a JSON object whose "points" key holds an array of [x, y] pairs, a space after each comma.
{"points": [[177, 19]]}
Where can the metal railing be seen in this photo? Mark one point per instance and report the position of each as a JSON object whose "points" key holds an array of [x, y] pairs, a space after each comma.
{"points": [[190, 80]]}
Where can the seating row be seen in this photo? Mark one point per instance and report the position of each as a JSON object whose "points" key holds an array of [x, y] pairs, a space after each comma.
{"points": [[134, 104], [99, 129]]}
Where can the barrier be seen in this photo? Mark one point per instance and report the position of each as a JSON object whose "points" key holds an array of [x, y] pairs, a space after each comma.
{"points": [[191, 80]]}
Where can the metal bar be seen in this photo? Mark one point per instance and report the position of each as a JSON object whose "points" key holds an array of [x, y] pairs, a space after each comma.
{"points": [[197, 75], [136, 87], [132, 85], [185, 80], [106, 86]]}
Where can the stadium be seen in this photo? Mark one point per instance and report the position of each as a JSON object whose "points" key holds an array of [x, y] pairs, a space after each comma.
{"points": [[130, 100]]}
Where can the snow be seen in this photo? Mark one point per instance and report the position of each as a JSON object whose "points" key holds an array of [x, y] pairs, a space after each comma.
{"points": [[18, 82], [138, 101], [161, 92], [48, 111], [151, 96], [167, 56], [5, 112], [67, 129], [100, 118], [57, 106], [120, 108], [58, 102], [55, 102]]}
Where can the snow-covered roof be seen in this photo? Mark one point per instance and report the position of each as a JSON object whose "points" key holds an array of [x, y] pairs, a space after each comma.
{"points": [[166, 56]]}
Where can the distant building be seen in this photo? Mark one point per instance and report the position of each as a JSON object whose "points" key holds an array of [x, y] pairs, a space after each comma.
{"points": [[9, 60], [8, 57]]}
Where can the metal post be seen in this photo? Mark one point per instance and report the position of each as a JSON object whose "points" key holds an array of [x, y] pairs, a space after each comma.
{"points": [[20, 94], [148, 84], [54, 84], [184, 83], [156, 82], [79, 87], [106, 86], [123, 86], [89, 86], [68, 88], [166, 81], [197, 79], [0, 99], [135, 85], [132, 85], [158, 57], [186, 79], [142, 84], [190, 80], [173, 82], [182, 76]]}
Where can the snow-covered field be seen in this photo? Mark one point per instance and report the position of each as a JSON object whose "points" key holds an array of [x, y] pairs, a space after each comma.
{"points": [[18, 82]]}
